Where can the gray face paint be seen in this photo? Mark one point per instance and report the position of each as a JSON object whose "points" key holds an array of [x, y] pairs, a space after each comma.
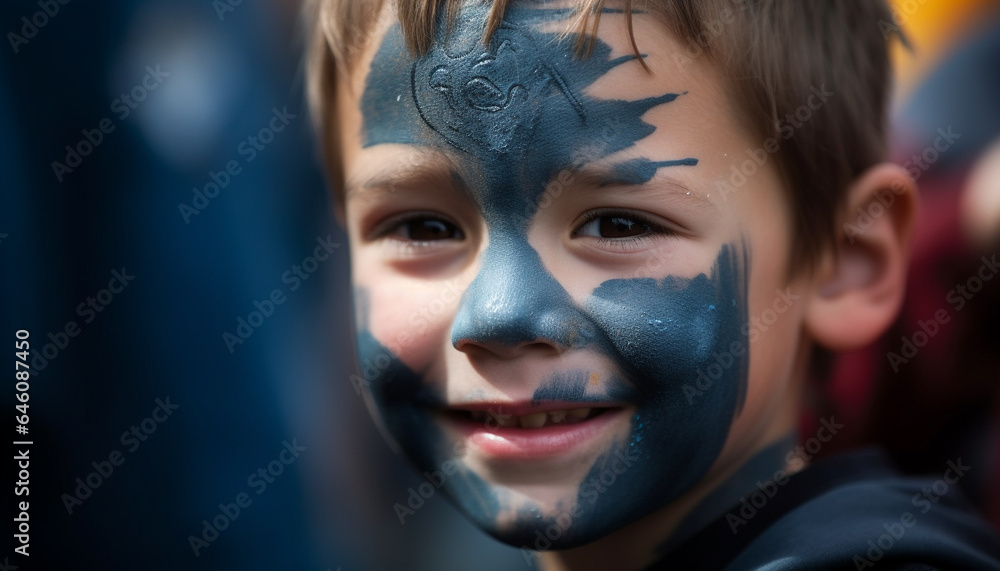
{"points": [[514, 114]]}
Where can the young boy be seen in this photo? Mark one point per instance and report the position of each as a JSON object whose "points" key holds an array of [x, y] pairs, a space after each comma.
{"points": [[593, 248]]}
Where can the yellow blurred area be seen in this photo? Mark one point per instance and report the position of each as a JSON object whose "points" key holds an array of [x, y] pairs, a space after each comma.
{"points": [[934, 28]]}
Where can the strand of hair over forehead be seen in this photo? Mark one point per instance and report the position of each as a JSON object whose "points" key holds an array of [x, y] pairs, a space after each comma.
{"points": [[421, 16]]}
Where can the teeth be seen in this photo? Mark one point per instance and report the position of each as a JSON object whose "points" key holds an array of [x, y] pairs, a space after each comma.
{"points": [[534, 420]]}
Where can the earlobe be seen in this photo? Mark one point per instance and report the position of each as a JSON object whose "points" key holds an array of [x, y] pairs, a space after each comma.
{"points": [[857, 292]]}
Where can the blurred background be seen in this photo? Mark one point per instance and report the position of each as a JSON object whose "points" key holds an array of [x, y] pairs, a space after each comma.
{"points": [[166, 237]]}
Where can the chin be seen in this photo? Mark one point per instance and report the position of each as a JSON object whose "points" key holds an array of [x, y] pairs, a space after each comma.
{"points": [[526, 524]]}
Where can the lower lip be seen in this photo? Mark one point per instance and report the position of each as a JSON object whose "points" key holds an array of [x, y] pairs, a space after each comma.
{"points": [[533, 443]]}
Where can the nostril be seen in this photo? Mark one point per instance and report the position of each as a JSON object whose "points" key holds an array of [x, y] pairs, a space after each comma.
{"points": [[484, 349], [541, 347], [466, 346]]}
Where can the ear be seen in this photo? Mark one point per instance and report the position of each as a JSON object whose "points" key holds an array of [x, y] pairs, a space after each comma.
{"points": [[857, 291]]}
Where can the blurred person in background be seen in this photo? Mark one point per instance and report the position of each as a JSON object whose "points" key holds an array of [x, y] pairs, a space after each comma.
{"points": [[930, 390]]}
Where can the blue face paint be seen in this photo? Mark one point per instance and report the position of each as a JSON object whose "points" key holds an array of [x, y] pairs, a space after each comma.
{"points": [[571, 386], [513, 115]]}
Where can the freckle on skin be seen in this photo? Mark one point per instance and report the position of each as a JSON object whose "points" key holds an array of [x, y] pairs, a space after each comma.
{"points": [[594, 378], [574, 334]]}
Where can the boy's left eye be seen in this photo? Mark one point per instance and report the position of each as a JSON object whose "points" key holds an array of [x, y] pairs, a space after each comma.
{"points": [[618, 226], [613, 227]]}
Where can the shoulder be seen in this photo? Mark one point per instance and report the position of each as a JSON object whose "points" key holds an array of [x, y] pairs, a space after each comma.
{"points": [[896, 523], [852, 512]]}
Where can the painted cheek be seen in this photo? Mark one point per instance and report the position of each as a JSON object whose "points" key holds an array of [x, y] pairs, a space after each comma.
{"points": [[678, 341], [680, 336]]}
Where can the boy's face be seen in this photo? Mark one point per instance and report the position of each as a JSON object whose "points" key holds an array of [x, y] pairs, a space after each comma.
{"points": [[552, 272]]}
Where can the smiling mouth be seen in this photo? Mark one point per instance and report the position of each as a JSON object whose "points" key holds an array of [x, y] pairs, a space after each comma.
{"points": [[538, 431]]}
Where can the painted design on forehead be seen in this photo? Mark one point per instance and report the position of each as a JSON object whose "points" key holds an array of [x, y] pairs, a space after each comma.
{"points": [[517, 113], [516, 109]]}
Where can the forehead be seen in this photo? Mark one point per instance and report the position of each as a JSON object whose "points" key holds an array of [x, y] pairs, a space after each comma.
{"points": [[529, 91]]}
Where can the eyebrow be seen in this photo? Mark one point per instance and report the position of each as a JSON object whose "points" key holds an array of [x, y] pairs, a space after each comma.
{"points": [[625, 177], [424, 172]]}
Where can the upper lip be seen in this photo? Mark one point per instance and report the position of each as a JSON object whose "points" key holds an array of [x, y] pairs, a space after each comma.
{"points": [[517, 408]]}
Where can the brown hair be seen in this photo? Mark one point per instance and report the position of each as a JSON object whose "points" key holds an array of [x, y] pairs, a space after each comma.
{"points": [[775, 54]]}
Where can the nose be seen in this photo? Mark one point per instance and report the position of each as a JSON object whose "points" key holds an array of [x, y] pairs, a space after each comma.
{"points": [[514, 305]]}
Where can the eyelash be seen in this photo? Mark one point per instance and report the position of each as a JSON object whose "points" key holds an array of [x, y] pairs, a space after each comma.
{"points": [[407, 246], [629, 242]]}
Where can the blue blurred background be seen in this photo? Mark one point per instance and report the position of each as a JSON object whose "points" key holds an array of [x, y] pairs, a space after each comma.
{"points": [[206, 85]]}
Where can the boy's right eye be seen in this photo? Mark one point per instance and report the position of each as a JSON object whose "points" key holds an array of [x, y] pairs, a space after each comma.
{"points": [[420, 227]]}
